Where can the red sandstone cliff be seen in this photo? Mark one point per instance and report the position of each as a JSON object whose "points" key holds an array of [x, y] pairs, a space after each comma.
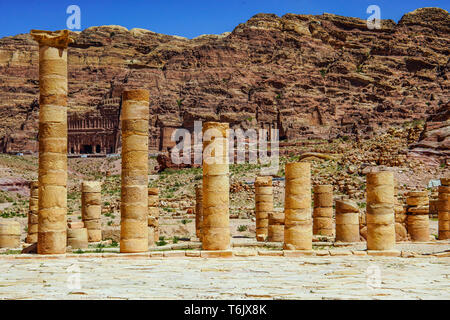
{"points": [[314, 76]]}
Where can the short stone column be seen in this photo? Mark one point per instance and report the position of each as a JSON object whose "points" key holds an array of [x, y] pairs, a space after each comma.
{"points": [[153, 216], [91, 209], [9, 234], [77, 238], [380, 211], [323, 210], [216, 187], [52, 140], [401, 234], [263, 206], [418, 221], [276, 227], [198, 211], [33, 213], [347, 221], [443, 206], [134, 196], [297, 207]]}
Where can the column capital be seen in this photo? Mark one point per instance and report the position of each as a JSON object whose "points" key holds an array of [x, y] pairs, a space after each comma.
{"points": [[58, 39]]}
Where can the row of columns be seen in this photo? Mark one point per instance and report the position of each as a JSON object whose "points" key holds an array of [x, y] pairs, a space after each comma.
{"points": [[91, 123], [215, 232]]}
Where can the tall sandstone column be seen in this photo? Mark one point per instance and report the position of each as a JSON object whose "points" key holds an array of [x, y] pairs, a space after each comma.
{"points": [[323, 210], [444, 209], [134, 195], [263, 206], [347, 221], [297, 207], [198, 211], [216, 188], [418, 222], [153, 216], [52, 234], [33, 213], [91, 209], [380, 211]]}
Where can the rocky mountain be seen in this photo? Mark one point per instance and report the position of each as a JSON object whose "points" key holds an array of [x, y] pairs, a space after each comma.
{"points": [[311, 76]]}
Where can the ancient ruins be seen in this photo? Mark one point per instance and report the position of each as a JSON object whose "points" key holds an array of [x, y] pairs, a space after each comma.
{"points": [[52, 140], [153, 216], [444, 210], [298, 222], [356, 188], [380, 211], [216, 187], [347, 221], [33, 214], [263, 206], [91, 209], [303, 220], [323, 210], [198, 211], [134, 196]]}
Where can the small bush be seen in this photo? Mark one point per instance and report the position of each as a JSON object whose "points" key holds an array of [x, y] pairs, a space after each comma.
{"points": [[242, 228], [161, 243]]}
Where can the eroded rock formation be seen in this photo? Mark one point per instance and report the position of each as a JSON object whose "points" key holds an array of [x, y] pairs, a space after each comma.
{"points": [[310, 76]]}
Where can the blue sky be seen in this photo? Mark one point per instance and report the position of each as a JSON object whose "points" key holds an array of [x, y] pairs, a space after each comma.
{"points": [[188, 18]]}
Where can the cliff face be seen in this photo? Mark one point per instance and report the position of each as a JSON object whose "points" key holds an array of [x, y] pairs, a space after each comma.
{"points": [[312, 76]]}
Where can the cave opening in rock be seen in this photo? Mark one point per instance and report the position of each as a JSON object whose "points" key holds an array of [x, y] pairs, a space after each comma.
{"points": [[86, 149]]}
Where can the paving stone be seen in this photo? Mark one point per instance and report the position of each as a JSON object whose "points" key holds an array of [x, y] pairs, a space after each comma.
{"points": [[192, 253], [298, 253], [384, 253], [156, 254], [310, 277], [334, 253], [239, 253], [321, 253], [216, 253], [270, 253], [359, 253], [174, 254]]}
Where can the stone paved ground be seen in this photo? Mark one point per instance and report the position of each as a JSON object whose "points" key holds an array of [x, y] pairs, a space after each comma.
{"points": [[348, 277]]}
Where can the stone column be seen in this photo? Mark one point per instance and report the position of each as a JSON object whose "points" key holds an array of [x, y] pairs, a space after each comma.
{"points": [[323, 210], [276, 227], [198, 211], [153, 216], [380, 211], [9, 234], [418, 222], [216, 188], [443, 206], [134, 199], [263, 206], [297, 207], [52, 140], [77, 238], [400, 217], [91, 209], [347, 221], [33, 213]]}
